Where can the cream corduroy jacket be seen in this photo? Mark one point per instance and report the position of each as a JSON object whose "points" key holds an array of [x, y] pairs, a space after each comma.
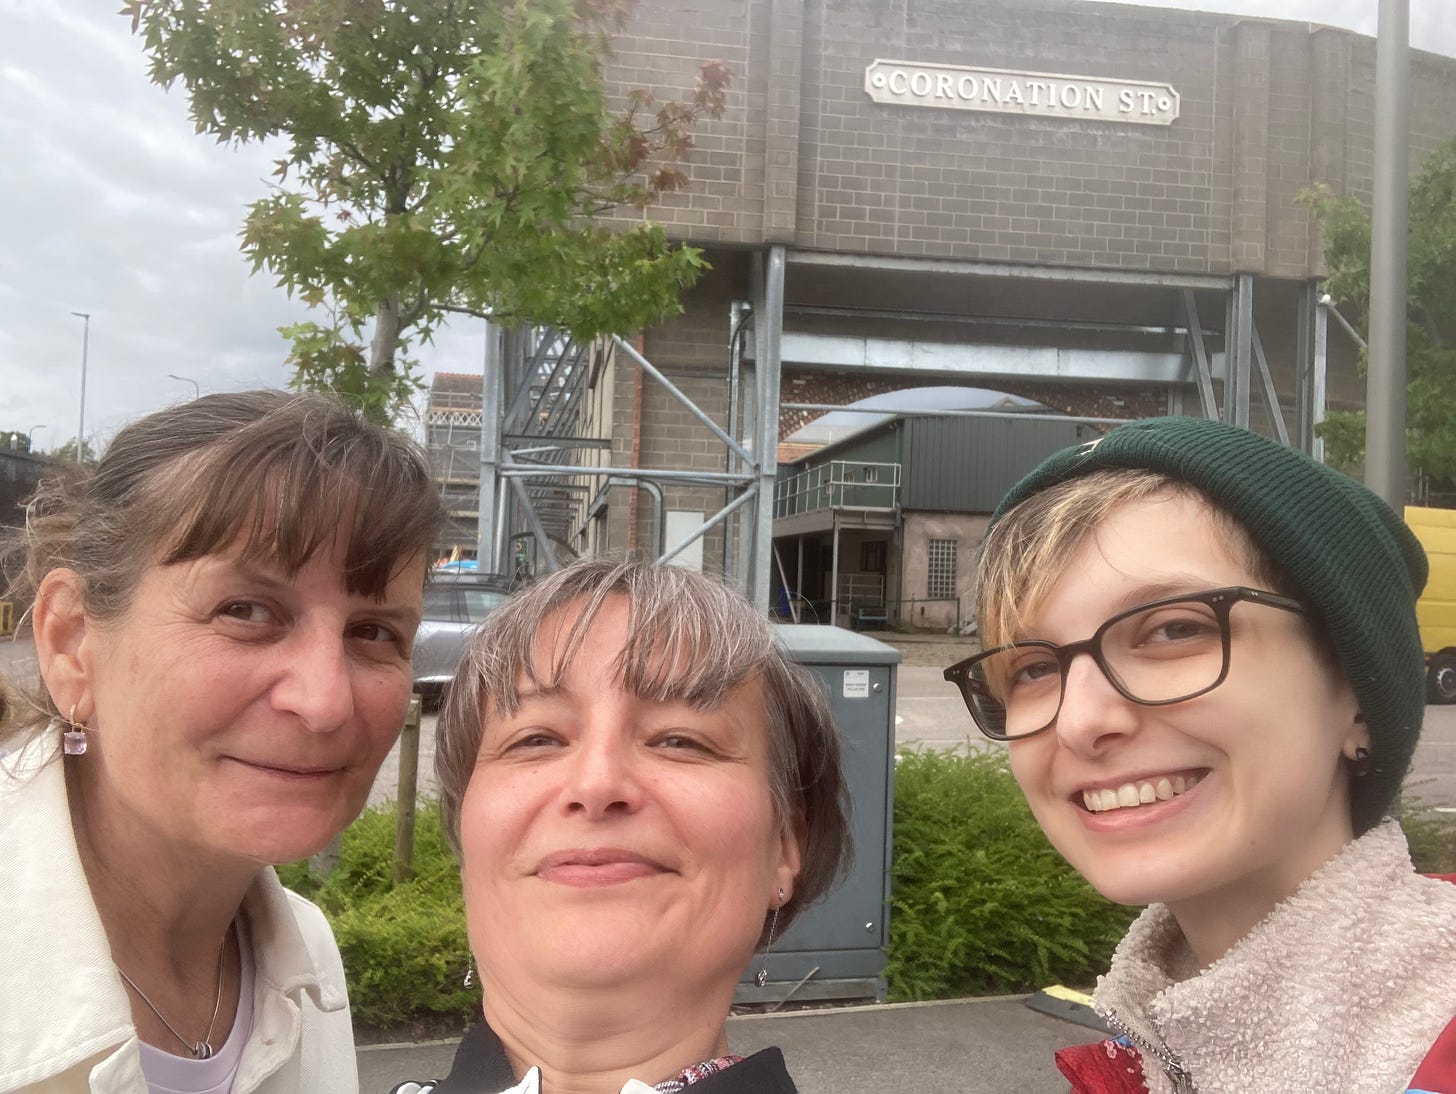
{"points": [[1342, 987], [65, 1020]]}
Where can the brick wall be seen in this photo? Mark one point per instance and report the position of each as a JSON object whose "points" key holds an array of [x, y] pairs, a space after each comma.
{"points": [[804, 157]]}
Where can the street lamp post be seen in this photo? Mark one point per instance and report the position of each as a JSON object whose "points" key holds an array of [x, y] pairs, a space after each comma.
{"points": [[85, 316], [196, 389], [30, 438]]}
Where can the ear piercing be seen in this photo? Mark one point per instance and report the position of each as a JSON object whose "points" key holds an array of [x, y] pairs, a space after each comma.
{"points": [[761, 977]]}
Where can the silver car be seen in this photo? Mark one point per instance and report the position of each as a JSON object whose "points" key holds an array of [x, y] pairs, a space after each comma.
{"points": [[455, 604]]}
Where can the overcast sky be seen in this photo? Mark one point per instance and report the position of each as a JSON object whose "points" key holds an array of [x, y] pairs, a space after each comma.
{"points": [[112, 205]]}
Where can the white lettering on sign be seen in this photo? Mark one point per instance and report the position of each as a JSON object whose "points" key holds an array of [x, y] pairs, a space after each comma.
{"points": [[856, 683], [1035, 94]]}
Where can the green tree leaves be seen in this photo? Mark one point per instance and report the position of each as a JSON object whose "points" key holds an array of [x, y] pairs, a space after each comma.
{"points": [[1431, 309], [444, 156]]}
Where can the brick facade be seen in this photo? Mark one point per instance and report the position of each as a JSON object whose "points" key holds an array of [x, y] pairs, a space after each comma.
{"points": [[804, 158]]}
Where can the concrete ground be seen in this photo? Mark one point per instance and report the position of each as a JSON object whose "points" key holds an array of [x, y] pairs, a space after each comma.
{"points": [[969, 1046]]}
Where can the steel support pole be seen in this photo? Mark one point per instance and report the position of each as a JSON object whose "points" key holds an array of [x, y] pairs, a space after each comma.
{"points": [[1385, 464], [737, 316], [707, 526], [1271, 396], [486, 532], [1319, 370], [1202, 372], [798, 574], [834, 572], [1304, 365], [544, 550], [85, 318], [1239, 352], [766, 371]]}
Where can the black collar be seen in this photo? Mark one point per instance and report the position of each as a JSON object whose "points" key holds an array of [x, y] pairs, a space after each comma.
{"points": [[481, 1067]]}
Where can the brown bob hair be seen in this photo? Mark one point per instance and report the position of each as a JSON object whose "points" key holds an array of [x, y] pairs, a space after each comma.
{"points": [[693, 640]]}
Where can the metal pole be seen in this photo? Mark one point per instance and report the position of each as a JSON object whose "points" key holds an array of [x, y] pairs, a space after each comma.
{"points": [[1240, 353], [1317, 381], [673, 390], [834, 572], [1303, 364], [85, 316], [735, 359], [766, 370], [544, 551], [490, 424], [1385, 471], [799, 574], [196, 388]]}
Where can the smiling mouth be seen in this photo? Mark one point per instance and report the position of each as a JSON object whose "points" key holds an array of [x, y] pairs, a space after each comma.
{"points": [[292, 772], [593, 868], [1143, 792]]}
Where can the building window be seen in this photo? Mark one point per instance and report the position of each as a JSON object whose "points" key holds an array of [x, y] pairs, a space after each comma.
{"points": [[941, 569]]}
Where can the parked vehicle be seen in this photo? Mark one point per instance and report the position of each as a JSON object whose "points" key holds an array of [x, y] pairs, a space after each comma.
{"points": [[456, 603], [1436, 610]]}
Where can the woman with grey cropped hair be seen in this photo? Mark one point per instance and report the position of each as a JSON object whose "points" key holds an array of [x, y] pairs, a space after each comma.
{"points": [[223, 614], [642, 789]]}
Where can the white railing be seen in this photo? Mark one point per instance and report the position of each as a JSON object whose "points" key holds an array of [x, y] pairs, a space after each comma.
{"points": [[839, 484]]}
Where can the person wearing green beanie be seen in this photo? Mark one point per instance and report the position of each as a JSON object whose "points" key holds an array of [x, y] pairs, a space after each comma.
{"points": [[1226, 753]]}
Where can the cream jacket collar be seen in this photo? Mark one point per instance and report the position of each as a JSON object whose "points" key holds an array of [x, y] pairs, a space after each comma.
{"points": [[1344, 986], [63, 1010]]}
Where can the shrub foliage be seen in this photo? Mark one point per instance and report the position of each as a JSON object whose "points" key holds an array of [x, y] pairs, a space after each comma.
{"points": [[404, 947], [980, 902]]}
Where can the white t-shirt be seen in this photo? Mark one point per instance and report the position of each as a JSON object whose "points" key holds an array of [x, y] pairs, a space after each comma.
{"points": [[168, 1074]]}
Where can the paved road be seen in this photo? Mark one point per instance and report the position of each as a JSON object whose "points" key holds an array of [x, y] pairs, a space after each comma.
{"points": [[971, 1046]]}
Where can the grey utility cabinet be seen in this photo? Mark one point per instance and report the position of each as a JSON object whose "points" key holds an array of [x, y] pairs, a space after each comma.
{"points": [[836, 949]]}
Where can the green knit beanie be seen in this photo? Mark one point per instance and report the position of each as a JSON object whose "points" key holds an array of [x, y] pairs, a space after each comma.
{"points": [[1348, 553]]}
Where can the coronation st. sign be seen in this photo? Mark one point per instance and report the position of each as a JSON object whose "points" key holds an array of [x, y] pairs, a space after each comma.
{"points": [[1035, 94]]}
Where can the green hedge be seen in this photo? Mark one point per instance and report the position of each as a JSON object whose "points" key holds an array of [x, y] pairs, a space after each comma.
{"points": [[404, 948], [981, 903]]}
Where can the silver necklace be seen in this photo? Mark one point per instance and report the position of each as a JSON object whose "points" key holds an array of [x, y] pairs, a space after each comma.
{"points": [[201, 1050]]}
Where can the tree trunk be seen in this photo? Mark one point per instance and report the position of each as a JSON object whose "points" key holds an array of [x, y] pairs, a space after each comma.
{"points": [[386, 336]]}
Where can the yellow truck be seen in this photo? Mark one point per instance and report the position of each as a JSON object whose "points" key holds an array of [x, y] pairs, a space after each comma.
{"points": [[1436, 610]]}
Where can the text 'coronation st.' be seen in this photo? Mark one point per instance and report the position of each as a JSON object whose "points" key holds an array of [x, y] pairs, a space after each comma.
{"points": [[1030, 93]]}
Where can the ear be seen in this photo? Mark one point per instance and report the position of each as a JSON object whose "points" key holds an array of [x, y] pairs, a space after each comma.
{"points": [[1357, 735], [58, 620], [791, 856]]}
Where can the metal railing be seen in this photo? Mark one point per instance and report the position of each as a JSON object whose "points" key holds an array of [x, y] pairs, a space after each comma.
{"points": [[839, 484]]}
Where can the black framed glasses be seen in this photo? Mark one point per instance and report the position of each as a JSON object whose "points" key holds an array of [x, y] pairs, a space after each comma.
{"points": [[1159, 653]]}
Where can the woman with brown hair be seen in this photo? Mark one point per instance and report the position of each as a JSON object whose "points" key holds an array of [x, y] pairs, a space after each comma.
{"points": [[1202, 649], [642, 789], [223, 613]]}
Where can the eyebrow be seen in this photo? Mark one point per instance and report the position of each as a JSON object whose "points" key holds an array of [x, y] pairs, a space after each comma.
{"points": [[274, 578], [1172, 585]]}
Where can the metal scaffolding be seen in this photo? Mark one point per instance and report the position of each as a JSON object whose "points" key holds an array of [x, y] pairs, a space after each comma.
{"points": [[529, 447]]}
